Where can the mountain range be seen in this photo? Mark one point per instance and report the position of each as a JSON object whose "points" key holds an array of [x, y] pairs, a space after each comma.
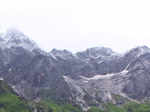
{"points": [[84, 79]]}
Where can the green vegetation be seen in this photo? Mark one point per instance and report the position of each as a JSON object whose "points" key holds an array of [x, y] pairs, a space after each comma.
{"points": [[114, 108], [11, 103], [48, 106], [134, 107]]}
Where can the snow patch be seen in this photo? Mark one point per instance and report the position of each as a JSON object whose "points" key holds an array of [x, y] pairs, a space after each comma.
{"points": [[97, 77], [124, 71]]}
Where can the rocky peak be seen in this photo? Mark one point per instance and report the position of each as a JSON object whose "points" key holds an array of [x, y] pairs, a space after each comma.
{"points": [[95, 52], [63, 54], [138, 51], [15, 38]]}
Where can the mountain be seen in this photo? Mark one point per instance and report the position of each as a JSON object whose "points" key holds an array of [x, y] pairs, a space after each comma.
{"points": [[88, 78]]}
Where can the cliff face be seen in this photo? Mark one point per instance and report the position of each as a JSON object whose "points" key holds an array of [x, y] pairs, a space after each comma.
{"points": [[85, 78]]}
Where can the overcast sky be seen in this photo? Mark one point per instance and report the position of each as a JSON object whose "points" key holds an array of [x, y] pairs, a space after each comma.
{"points": [[79, 24]]}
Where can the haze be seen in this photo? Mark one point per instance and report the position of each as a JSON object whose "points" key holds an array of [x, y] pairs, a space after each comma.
{"points": [[79, 24]]}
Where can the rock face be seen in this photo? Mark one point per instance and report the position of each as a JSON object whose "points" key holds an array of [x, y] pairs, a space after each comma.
{"points": [[85, 78]]}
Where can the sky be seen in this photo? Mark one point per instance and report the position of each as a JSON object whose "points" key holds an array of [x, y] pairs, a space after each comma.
{"points": [[79, 24]]}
